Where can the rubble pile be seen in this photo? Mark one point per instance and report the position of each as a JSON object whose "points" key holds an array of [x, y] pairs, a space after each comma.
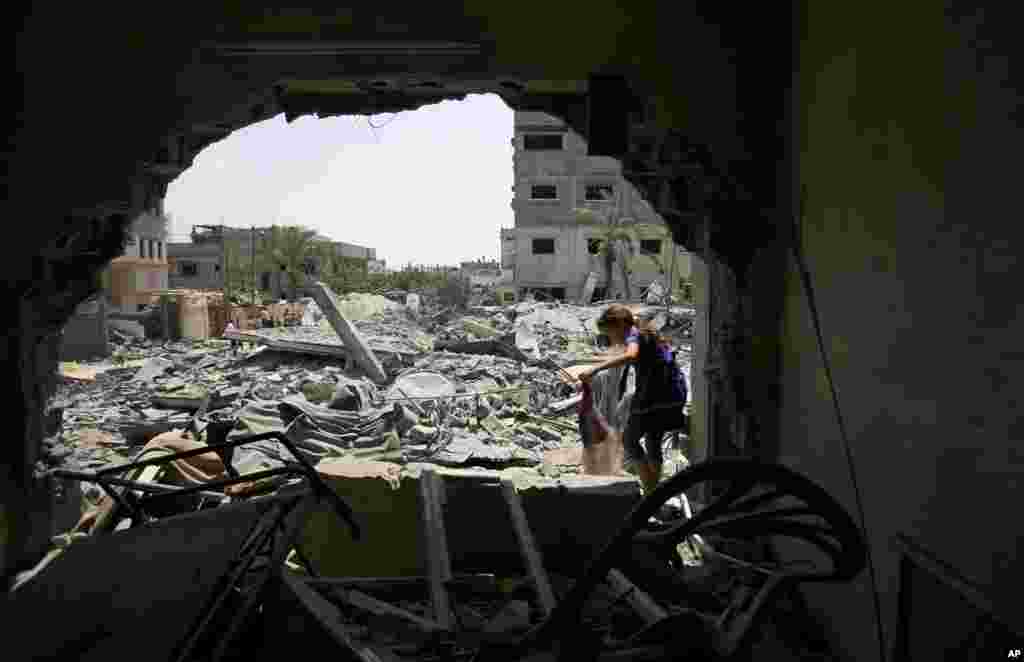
{"points": [[484, 399], [505, 400]]}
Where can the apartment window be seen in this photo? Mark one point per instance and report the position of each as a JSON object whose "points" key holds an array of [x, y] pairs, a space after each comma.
{"points": [[537, 142], [190, 269], [595, 245], [650, 246], [599, 192], [544, 192], [543, 246]]}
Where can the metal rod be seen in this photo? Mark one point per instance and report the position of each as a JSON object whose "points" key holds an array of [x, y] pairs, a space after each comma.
{"points": [[244, 563], [226, 482], [122, 482], [263, 436], [113, 494]]}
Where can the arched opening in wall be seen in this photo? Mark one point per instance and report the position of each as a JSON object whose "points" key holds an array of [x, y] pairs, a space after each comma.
{"points": [[402, 203]]}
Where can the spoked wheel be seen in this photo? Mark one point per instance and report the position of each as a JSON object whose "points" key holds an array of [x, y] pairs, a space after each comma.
{"points": [[754, 500]]}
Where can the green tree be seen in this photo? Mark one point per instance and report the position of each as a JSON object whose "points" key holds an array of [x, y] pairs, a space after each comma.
{"points": [[664, 261], [285, 248], [616, 241]]}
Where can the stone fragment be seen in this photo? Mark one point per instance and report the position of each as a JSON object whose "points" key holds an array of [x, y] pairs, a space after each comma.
{"points": [[318, 392], [542, 432], [479, 329], [421, 434]]}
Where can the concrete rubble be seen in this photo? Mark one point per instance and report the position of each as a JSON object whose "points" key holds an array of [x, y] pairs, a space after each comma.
{"points": [[480, 398]]}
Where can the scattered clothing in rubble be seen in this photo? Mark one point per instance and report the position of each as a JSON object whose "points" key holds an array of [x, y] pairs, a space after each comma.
{"points": [[602, 444], [319, 433]]}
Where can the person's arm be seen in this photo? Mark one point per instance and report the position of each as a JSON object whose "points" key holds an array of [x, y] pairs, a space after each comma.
{"points": [[631, 354]]}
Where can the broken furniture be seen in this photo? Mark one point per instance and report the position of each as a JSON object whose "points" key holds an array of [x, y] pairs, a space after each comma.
{"points": [[181, 588], [441, 631], [570, 517], [755, 500], [141, 499]]}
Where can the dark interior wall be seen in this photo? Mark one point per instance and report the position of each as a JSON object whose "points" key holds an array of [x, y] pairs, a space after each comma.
{"points": [[908, 148]]}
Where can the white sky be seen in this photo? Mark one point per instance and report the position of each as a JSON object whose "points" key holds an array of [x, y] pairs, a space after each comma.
{"points": [[432, 186]]}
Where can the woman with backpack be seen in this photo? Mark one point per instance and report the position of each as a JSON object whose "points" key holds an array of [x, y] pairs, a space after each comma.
{"points": [[661, 393]]}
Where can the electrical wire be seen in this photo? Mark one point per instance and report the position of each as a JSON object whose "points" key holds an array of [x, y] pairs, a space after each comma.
{"points": [[381, 126], [805, 277]]}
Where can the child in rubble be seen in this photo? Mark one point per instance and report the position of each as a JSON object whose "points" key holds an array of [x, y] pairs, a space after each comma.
{"points": [[657, 404], [235, 343]]}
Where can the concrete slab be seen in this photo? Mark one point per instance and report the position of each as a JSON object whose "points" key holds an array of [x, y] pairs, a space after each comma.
{"points": [[361, 352], [570, 519]]}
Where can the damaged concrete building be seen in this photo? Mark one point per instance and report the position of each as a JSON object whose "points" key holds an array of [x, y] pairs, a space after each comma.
{"points": [[859, 314], [200, 264], [554, 248], [142, 268]]}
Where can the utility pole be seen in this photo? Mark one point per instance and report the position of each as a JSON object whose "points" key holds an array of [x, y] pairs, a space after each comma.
{"points": [[252, 250], [224, 262]]}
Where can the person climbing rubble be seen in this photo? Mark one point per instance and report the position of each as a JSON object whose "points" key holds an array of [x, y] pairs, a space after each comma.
{"points": [[235, 343], [661, 393]]}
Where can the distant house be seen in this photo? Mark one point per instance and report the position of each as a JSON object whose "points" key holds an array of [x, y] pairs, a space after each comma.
{"points": [[481, 273], [195, 266], [199, 264], [131, 279]]}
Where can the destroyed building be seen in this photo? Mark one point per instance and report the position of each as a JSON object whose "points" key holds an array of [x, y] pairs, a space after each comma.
{"points": [[481, 274], [859, 311], [200, 264], [554, 248]]}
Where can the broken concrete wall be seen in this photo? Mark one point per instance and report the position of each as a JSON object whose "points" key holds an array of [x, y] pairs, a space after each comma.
{"points": [[570, 518], [917, 272], [85, 334]]}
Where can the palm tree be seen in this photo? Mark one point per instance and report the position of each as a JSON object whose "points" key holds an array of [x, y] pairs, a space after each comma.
{"points": [[616, 241], [285, 248], [664, 262]]}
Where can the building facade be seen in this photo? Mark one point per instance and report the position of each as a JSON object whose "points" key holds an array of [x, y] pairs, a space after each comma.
{"points": [[565, 204], [131, 279], [195, 266], [200, 264], [481, 273]]}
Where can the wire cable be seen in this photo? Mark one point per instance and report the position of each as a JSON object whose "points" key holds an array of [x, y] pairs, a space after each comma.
{"points": [[381, 126], [805, 277]]}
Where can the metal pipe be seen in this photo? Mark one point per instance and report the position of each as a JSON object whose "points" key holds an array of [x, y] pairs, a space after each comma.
{"points": [[156, 488]]}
